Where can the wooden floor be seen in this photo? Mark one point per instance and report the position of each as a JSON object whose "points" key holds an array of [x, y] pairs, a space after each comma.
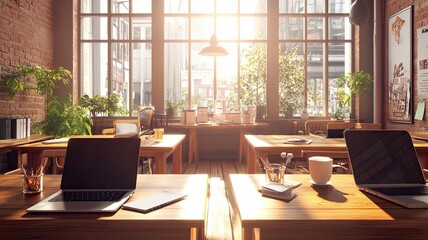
{"points": [[222, 218]]}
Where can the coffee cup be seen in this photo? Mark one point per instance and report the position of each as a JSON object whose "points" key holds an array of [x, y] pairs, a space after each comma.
{"points": [[320, 169]]}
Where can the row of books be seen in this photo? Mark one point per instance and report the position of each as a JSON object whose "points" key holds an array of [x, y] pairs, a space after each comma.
{"points": [[15, 128]]}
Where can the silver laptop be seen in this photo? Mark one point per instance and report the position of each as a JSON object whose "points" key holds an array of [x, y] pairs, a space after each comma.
{"points": [[100, 175], [384, 163]]}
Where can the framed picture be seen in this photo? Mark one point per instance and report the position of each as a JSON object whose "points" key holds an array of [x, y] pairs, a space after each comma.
{"points": [[400, 66]]}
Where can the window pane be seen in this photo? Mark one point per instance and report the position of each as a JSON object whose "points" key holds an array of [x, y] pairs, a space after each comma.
{"points": [[202, 78], [291, 28], [339, 63], [94, 71], [253, 28], [339, 28], [291, 6], [227, 6], [142, 6], [141, 75], [202, 6], [227, 28], [120, 6], [174, 6], [141, 28], [253, 74], [227, 78], [202, 28], [94, 28], [94, 6], [253, 6], [176, 28], [291, 79], [315, 28], [176, 72], [120, 71], [315, 78], [339, 6], [316, 6], [119, 28]]}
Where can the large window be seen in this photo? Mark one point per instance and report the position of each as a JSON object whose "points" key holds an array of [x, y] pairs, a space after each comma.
{"points": [[313, 47], [115, 45]]}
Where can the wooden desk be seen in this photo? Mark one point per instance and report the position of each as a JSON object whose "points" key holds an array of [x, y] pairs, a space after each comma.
{"points": [[193, 141], [185, 219], [263, 145], [337, 212], [171, 144]]}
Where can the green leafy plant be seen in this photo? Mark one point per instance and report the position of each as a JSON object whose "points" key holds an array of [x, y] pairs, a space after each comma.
{"points": [[65, 119], [102, 105], [45, 80], [356, 82], [254, 80]]}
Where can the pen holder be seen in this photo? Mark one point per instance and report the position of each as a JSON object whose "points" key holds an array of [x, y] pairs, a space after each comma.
{"points": [[275, 173]]}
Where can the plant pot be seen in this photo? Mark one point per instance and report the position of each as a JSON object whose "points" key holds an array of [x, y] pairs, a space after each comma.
{"points": [[171, 112]]}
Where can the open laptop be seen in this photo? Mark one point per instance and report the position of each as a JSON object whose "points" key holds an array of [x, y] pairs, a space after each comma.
{"points": [[384, 163], [100, 175]]}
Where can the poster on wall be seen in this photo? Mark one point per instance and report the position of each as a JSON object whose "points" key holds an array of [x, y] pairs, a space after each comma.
{"points": [[400, 66], [422, 65]]}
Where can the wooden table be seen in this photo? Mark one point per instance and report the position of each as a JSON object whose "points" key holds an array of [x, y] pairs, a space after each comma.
{"points": [[193, 140], [337, 212], [263, 145], [171, 144], [185, 219]]}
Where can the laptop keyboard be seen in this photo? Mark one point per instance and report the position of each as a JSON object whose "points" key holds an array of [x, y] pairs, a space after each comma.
{"points": [[88, 196], [398, 191]]}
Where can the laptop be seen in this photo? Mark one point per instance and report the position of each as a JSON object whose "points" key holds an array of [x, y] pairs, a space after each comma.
{"points": [[99, 175], [385, 164]]}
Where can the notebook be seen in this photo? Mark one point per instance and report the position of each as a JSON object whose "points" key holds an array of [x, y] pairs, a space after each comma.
{"points": [[155, 201], [100, 175], [385, 163]]}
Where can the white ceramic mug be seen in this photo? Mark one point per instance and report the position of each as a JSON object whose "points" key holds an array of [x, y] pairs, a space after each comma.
{"points": [[320, 169]]}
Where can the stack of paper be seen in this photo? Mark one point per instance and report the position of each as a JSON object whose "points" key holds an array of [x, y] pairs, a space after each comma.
{"points": [[278, 190]]}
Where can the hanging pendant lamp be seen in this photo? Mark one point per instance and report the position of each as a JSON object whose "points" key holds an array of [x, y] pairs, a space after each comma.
{"points": [[213, 49], [358, 13]]}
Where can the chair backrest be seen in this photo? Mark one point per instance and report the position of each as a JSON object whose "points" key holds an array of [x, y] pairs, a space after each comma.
{"points": [[368, 125], [160, 120], [145, 118], [317, 126], [340, 125]]}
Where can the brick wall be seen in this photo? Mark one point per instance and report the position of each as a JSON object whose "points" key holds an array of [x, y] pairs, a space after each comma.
{"points": [[420, 19], [26, 37]]}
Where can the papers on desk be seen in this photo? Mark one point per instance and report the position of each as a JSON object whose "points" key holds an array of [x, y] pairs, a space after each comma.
{"points": [[280, 191], [298, 141], [56, 140]]}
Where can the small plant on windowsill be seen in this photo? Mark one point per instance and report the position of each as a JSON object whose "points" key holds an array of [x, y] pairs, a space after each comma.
{"points": [[172, 107]]}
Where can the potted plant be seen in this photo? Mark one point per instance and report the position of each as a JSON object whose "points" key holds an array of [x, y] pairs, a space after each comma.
{"points": [[65, 119], [102, 105], [62, 117], [172, 107], [356, 82]]}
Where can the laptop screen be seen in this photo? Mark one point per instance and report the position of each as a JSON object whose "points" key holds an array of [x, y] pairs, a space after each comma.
{"points": [[383, 157], [101, 163]]}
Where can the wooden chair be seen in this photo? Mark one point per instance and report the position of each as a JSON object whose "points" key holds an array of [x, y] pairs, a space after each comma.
{"points": [[368, 126], [340, 125], [145, 117], [317, 126], [341, 162], [58, 159]]}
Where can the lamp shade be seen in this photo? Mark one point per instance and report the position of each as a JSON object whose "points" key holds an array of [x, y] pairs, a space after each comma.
{"points": [[213, 49], [358, 13]]}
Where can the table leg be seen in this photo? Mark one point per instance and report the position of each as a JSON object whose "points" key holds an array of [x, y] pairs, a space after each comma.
{"points": [[251, 161], [241, 144], [160, 163], [193, 148], [247, 233], [177, 160]]}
